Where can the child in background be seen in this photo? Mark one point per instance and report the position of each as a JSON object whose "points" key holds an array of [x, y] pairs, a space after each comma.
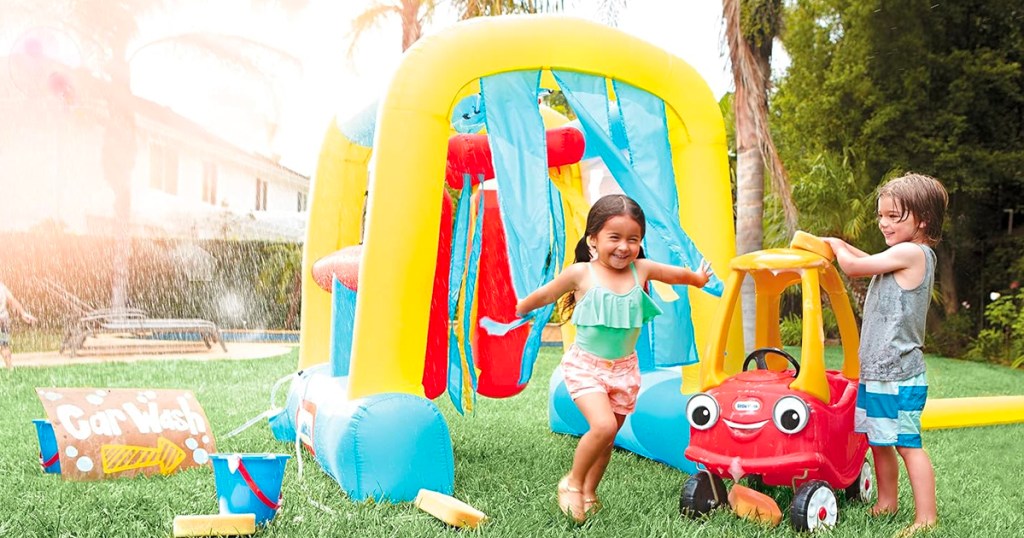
{"points": [[604, 290], [8, 304], [893, 386]]}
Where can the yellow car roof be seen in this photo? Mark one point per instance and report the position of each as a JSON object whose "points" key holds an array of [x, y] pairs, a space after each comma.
{"points": [[778, 258]]}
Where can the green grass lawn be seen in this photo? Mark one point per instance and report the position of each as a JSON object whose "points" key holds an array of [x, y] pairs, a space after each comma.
{"points": [[506, 460]]}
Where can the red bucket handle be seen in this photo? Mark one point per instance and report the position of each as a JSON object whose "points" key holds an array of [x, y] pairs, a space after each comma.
{"points": [[50, 461], [255, 488]]}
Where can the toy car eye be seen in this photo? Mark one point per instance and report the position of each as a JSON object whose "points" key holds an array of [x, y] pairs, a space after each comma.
{"points": [[702, 411], [790, 414]]}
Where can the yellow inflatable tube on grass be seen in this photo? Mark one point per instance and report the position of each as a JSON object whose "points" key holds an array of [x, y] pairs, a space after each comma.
{"points": [[409, 157]]}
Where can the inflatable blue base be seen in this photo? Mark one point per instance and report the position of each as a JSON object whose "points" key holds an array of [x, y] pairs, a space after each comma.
{"points": [[657, 430], [384, 447]]}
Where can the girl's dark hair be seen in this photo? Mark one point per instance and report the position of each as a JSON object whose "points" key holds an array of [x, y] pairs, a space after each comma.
{"points": [[606, 207]]}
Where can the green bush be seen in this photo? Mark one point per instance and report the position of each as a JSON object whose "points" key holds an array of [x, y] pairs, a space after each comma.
{"points": [[791, 330], [791, 327], [1002, 340], [250, 284], [953, 335]]}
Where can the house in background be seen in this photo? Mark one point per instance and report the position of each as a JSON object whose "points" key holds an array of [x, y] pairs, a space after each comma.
{"points": [[185, 182]]}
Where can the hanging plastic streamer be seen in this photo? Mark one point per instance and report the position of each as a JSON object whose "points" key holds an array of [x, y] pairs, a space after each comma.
{"points": [[343, 316], [472, 268], [461, 366], [648, 178], [518, 143], [555, 259]]}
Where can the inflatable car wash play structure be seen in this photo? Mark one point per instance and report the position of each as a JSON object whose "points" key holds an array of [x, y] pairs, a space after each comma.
{"points": [[406, 267], [457, 194]]}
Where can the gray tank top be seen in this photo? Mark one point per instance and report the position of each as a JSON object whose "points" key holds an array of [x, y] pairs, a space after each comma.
{"points": [[892, 333]]}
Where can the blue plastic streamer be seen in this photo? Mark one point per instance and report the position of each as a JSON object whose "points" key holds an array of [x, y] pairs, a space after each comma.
{"points": [[471, 283], [652, 186], [343, 316], [557, 255], [455, 274], [515, 132], [525, 193]]}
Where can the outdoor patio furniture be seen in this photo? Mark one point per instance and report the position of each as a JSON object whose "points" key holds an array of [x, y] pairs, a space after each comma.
{"points": [[135, 322]]}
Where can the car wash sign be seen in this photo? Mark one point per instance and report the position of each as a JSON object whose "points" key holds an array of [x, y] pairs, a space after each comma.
{"points": [[109, 433]]}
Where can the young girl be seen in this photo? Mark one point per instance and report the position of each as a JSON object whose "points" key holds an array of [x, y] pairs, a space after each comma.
{"points": [[893, 387], [605, 292], [8, 305]]}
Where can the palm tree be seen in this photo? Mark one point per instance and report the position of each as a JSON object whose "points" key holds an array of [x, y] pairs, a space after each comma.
{"points": [[108, 32], [413, 14], [468, 9], [750, 35]]}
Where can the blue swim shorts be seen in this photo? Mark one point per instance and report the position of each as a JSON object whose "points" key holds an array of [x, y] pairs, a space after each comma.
{"points": [[889, 412], [5, 332]]}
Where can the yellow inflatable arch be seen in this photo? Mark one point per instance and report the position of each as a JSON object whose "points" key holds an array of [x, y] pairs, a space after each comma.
{"points": [[407, 175]]}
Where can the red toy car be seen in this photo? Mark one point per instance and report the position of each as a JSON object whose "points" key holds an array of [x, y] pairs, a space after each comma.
{"points": [[785, 423]]}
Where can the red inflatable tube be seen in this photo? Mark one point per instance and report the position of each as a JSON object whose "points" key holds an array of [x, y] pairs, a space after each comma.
{"points": [[497, 357], [344, 264], [471, 154]]}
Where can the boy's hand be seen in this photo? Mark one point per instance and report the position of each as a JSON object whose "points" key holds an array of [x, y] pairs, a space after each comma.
{"points": [[834, 242]]}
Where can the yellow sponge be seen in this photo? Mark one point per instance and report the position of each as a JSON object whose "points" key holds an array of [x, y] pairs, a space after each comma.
{"points": [[810, 243], [754, 505], [449, 509], [215, 525]]}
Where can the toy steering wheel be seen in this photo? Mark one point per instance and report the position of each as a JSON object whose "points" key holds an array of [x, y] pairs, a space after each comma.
{"points": [[759, 354]]}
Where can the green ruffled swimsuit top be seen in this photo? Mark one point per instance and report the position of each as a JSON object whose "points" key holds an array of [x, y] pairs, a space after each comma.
{"points": [[607, 323]]}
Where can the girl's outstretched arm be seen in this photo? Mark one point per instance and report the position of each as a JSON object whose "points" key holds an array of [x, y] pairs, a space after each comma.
{"points": [[674, 274], [16, 307], [566, 281]]}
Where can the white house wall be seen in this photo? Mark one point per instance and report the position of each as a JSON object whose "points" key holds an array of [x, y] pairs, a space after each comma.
{"points": [[51, 170]]}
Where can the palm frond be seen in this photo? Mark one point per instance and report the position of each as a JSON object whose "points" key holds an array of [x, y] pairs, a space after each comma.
{"points": [[368, 20]]}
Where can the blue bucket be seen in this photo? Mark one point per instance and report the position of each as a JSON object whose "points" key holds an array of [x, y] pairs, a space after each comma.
{"points": [[249, 483], [48, 450]]}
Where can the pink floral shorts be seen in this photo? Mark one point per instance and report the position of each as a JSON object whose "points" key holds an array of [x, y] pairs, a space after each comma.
{"points": [[586, 373]]}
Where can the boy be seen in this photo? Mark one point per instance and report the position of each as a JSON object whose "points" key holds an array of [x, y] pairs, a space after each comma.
{"points": [[893, 386]]}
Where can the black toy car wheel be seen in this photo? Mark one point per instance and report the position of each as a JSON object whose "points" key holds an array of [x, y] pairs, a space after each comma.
{"points": [[814, 507], [863, 489], [702, 493]]}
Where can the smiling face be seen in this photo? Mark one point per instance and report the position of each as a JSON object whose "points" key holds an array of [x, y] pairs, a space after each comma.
{"points": [[897, 224], [617, 244]]}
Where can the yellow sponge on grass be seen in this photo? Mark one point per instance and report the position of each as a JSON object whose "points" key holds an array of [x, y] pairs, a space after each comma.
{"points": [[215, 525], [449, 509]]}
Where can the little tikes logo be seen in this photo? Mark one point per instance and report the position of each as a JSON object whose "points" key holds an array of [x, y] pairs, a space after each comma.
{"points": [[746, 406]]}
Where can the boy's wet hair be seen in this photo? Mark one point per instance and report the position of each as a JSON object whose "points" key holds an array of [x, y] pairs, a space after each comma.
{"points": [[604, 209], [922, 196]]}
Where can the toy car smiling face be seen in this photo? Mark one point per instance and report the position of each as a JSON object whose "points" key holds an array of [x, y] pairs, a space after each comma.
{"points": [[751, 416], [747, 417]]}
